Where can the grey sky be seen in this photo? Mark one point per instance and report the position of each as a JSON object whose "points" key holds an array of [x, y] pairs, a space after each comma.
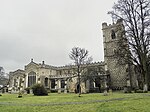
{"points": [[48, 29]]}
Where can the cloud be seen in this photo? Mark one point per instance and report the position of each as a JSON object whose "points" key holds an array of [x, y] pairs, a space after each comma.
{"points": [[47, 30]]}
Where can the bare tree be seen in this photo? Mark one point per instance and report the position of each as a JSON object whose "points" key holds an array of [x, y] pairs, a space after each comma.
{"points": [[80, 57], [136, 17], [4, 78], [2, 73], [94, 74]]}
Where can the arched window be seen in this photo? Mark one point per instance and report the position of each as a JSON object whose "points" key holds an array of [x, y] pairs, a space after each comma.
{"points": [[115, 52], [113, 35], [31, 79], [46, 82], [20, 82], [15, 82]]}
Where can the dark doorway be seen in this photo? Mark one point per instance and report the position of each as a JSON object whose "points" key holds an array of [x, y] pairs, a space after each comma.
{"points": [[62, 83], [53, 84], [77, 88]]}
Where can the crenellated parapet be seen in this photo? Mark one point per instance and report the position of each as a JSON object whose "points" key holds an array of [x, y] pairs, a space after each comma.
{"points": [[106, 26]]}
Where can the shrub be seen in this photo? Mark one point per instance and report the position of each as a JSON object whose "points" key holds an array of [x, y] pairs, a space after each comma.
{"points": [[0, 95], [20, 95], [27, 90], [53, 91], [39, 90], [141, 91], [127, 89]]}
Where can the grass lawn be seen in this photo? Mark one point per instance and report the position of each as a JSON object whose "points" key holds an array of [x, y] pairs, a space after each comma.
{"points": [[115, 102]]}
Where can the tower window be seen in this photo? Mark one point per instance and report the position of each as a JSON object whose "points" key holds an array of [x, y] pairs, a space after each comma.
{"points": [[113, 35], [115, 52]]}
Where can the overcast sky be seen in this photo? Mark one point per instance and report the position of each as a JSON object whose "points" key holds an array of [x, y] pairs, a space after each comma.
{"points": [[48, 30]]}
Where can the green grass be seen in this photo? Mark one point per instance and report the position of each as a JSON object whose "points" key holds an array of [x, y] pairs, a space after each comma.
{"points": [[136, 102]]}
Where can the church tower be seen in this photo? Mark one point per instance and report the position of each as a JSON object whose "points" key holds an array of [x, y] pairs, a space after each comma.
{"points": [[118, 70]]}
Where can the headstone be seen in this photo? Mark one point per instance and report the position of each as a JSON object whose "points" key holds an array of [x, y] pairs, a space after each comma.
{"points": [[0, 91], [31, 92], [25, 92], [125, 89], [145, 88], [128, 83], [59, 91], [105, 93], [137, 84], [110, 91], [65, 91]]}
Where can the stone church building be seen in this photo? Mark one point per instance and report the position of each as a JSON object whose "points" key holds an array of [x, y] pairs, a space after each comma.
{"points": [[53, 78], [64, 79]]}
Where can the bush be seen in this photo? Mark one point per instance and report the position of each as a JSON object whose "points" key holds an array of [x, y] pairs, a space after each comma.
{"points": [[20, 95], [39, 90], [27, 90], [127, 89], [0, 95], [53, 91], [141, 91]]}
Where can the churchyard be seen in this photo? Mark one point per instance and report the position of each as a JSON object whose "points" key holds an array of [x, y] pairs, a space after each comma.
{"points": [[96, 102]]}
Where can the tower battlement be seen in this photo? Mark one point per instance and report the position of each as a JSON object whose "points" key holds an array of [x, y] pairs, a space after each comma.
{"points": [[106, 26]]}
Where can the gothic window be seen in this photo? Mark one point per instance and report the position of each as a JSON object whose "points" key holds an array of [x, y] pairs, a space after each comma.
{"points": [[113, 35], [53, 83], [31, 79], [62, 83], [46, 81], [115, 52], [20, 82], [127, 69], [60, 73], [14, 82], [68, 71]]}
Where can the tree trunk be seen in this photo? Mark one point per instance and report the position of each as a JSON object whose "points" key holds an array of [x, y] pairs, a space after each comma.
{"points": [[100, 88], [79, 80], [145, 72], [146, 84]]}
